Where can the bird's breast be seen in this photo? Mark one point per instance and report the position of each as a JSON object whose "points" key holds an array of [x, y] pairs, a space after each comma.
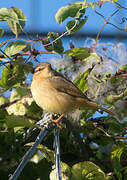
{"points": [[51, 99]]}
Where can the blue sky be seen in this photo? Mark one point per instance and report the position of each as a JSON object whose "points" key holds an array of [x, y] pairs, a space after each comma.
{"points": [[41, 14]]}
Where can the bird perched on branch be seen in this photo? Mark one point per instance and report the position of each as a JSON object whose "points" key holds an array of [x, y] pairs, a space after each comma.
{"points": [[56, 94]]}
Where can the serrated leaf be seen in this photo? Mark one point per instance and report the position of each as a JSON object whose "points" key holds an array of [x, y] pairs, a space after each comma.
{"points": [[6, 15], [70, 10], [78, 53], [16, 25], [75, 26], [15, 47], [18, 121], [87, 170]]}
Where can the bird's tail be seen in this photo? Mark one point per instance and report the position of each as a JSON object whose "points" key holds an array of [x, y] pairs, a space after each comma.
{"points": [[96, 106]]}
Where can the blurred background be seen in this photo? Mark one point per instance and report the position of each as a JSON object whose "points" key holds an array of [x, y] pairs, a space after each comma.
{"points": [[41, 18]]}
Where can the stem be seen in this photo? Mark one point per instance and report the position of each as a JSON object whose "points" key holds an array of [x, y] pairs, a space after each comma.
{"points": [[106, 22]]}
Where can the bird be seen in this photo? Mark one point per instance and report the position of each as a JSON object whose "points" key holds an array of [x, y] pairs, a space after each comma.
{"points": [[58, 95]]}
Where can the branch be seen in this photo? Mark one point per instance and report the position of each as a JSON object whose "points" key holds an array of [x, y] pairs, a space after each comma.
{"points": [[15, 101], [57, 154], [30, 152]]}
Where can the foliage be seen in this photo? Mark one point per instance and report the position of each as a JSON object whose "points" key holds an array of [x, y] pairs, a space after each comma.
{"points": [[92, 147]]}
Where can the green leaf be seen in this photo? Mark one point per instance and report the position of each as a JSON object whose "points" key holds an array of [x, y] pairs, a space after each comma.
{"points": [[18, 121], [105, 76], [114, 126], [15, 47], [57, 44], [115, 156], [11, 75], [14, 17], [48, 153], [112, 99], [65, 171], [18, 93], [88, 171], [78, 53], [92, 56], [75, 26], [21, 107], [1, 32], [16, 25], [3, 100], [43, 170], [81, 80], [6, 15], [71, 10], [3, 113], [115, 80]]}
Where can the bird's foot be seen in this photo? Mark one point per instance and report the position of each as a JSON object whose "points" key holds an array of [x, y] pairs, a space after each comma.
{"points": [[57, 121]]}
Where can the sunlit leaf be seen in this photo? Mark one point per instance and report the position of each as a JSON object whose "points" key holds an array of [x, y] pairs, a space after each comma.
{"points": [[17, 27], [3, 100], [65, 172], [87, 170], [71, 10], [92, 56], [78, 53], [15, 47], [5, 15], [75, 26]]}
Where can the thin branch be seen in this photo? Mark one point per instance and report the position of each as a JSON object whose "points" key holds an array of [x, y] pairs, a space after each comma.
{"points": [[120, 6], [20, 39], [15, 101], [105, 22], [29, 153], [57, 154]]}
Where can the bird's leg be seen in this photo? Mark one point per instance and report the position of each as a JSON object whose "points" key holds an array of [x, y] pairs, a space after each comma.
{"points": [[57, 121]]}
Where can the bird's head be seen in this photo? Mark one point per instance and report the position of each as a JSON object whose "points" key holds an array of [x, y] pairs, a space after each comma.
{"points": [[43, 69]]}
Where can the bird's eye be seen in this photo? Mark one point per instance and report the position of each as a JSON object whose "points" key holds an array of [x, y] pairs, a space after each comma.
{"points": [[39, 69]]}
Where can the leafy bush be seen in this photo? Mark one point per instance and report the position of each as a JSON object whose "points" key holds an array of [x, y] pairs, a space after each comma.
{"points": [[92, 146]]}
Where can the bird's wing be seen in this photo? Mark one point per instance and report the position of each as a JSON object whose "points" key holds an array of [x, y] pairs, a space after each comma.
{"points": [[66, 86]]}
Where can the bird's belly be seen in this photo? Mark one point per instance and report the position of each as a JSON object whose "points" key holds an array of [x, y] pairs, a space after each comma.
{"points": [[53, 101]]}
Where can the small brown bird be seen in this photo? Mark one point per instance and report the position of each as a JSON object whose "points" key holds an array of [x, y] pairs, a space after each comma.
{"points": [[56, 94]]}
